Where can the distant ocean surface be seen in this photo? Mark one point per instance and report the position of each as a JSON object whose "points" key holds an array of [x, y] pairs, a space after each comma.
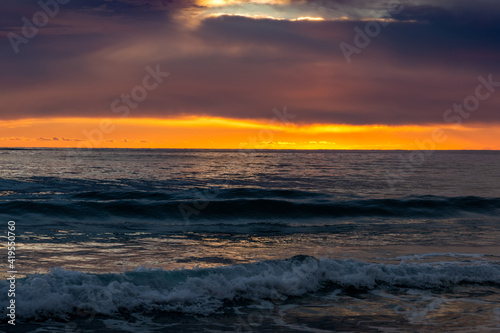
{"points": [[264, 241]]}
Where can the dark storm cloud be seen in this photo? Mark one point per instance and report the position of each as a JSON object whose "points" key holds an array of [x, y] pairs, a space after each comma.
{"points": [[428, 58]]}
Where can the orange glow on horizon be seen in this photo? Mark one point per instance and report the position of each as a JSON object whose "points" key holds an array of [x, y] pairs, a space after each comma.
{"points": [[225, 133]]}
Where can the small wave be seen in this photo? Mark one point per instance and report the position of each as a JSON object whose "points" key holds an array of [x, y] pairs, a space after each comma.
{"points": [[438, 255], [216, 194], [434, 207], [60, 293], [131, 195], [266, 193]]}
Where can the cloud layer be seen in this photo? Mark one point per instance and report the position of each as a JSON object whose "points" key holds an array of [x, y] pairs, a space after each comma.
{"points": [[243, 59]]}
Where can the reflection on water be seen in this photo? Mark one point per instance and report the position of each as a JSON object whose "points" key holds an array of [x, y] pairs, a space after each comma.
{"points": [[112, 253], [111, 211]]}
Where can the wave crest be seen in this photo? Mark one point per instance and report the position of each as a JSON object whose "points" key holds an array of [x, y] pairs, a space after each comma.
{"points": [[60, 293]]}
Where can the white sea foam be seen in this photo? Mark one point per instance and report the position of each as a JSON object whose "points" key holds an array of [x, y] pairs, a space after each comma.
{"points": [[204, 291]]}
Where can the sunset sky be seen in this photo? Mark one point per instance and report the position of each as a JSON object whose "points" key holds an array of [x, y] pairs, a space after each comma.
{"points": [[277, 74]]}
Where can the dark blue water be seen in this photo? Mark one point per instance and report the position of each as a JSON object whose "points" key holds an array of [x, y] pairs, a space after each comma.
{"points": [[292, 241]]}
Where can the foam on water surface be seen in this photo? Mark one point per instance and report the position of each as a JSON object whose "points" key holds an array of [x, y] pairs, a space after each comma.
{"points": [[209, 291]]}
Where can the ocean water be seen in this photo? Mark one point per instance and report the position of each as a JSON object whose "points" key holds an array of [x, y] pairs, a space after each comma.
{"points": [[256, 241]]}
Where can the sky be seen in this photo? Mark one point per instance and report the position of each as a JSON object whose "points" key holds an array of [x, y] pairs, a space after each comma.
{"points": [[267, 74]]}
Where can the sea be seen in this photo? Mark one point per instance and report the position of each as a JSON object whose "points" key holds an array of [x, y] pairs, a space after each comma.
{"points": [[159, 240]]}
